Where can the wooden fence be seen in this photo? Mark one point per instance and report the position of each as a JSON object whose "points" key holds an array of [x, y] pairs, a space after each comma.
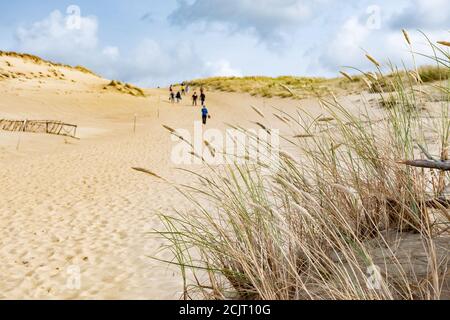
{"points": [[40, 126]]}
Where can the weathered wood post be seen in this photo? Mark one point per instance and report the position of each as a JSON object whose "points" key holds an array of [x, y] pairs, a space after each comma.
{"points": [[19, 133], [159, 104]]}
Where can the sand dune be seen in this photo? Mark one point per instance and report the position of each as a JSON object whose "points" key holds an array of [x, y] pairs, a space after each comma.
{"points": [[69, 203]]}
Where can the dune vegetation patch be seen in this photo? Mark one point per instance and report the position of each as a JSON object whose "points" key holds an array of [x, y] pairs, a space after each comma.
{"points": [[264, 86], [433, 73], [40, 61], [303, 87], [284, 86], [126, 88]]}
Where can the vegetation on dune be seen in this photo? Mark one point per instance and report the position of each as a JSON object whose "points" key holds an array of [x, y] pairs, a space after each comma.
{"points": [[265, 86], [38, 60], [114, 85], [433, 73], [125, 88], [303, 87], [340, 215], [83, 69]]}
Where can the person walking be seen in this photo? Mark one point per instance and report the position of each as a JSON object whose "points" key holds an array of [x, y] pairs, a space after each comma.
{"points": [[203, 98], [205, 114], [179, 98], [194, 99], [171, 94]]}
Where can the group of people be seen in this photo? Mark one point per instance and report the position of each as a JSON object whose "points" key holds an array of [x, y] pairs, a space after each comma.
{"points": [[202, 98], [184, 90], [177, 97]]}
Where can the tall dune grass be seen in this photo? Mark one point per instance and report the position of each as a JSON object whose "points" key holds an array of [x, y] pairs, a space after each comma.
{"points": [[267, 87], [338, 217]]}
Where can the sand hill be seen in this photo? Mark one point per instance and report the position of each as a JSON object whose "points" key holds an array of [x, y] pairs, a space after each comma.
{"points": [[39, 72], [69, 203], [72, 205], [52, 216]]}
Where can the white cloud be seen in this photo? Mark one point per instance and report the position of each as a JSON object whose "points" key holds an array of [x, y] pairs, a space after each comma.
{"points": [[151, 63], [424, 14], [273, 21], [222, 68], [335, 33], [348, 45], [58, 39], [53, 35], [148, 63], [111, 52]]}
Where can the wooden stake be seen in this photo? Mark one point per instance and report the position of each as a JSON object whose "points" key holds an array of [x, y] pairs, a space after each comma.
{"points": [[159, 104]]}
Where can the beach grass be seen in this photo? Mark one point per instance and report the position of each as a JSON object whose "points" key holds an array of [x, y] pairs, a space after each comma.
{"points": [[305, 87], [338, 215]]}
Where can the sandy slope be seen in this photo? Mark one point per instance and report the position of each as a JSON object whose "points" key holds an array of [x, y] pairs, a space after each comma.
{"points": [[68, 203]]}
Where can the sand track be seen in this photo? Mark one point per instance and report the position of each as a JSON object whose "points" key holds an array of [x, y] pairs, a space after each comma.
{"points": [[84, 208]]}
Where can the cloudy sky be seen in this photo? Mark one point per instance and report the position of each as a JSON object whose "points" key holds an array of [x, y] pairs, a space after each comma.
{"points": [[157, 42]]}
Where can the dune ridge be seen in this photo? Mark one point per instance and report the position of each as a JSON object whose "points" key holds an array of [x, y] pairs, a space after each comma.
{"points": [[28, 68], [39, 60], [77, 206]]}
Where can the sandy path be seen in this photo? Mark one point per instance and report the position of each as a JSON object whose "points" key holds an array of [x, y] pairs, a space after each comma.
{"points": [[75, 219], [83, 208]]}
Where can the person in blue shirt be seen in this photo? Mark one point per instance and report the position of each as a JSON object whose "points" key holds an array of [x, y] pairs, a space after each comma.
{"points": [[205, 114]]}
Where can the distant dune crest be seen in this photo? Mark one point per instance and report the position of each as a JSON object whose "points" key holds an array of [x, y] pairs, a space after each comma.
{"points": [[39, 60], [41, 74]]}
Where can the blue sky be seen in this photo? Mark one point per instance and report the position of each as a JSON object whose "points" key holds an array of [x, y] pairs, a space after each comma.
{"points": [[153, 43]]}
